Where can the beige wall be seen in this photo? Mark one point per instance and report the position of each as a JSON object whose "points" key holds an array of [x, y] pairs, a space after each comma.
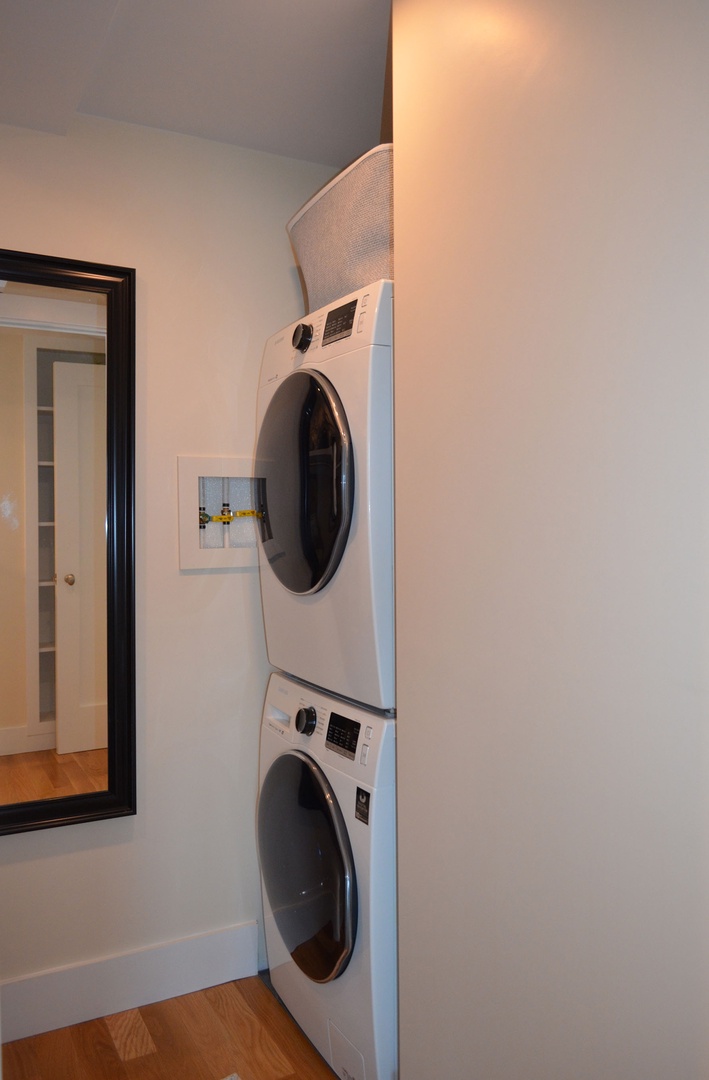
{"points": [[552, 439], [204, 225], [12, 531]]}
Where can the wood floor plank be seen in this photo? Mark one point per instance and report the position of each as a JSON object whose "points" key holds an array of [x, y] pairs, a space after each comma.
{"points": [[211, 1037], [78, 779], [44, 774], [19, 1061], [17, 783], [96, 1051], [307, 1063], [57, 1057], [259, 1057], [175, 1048], [130, 1035], [235, 1028], [93, 762]]}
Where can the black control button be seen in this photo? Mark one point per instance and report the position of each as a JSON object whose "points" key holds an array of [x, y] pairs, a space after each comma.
{"points": [[302, 336], [305, 720]]}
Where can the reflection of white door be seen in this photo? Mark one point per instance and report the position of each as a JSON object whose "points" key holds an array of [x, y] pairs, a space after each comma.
{"points": [[80, 523]]}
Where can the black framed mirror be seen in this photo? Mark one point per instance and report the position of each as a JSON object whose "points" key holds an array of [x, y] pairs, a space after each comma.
{"points": [[107, 294]]}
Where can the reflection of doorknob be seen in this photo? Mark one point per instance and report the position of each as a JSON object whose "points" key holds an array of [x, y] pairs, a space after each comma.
{"points": [[69, 578]]}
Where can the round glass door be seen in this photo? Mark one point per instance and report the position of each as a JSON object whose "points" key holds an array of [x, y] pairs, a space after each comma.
{"points": [[307, 866], [305, 467]]}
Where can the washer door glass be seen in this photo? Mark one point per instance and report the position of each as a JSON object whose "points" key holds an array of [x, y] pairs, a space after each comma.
{"points": [[305, 467], [307, 866]]}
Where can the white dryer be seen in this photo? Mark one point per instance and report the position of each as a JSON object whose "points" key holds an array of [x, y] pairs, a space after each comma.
{"points": [[324, 461], [327, 849]]}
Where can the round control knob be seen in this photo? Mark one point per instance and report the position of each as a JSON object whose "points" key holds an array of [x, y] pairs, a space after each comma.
{"points": [[305, 720], [302, 336]]}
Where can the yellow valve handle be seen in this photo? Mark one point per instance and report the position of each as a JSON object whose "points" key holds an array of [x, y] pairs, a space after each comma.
{"points": [[227, 518]]}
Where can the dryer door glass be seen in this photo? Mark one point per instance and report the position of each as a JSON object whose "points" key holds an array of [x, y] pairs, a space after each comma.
{"points": [[305, 466], [307, 866]]}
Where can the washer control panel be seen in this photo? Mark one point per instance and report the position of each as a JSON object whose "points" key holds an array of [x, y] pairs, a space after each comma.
{"points": [[343, 735], [349, 737]]}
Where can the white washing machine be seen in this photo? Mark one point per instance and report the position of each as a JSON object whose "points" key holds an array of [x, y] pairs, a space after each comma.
{"points": [[327, 849], [324, 460]]}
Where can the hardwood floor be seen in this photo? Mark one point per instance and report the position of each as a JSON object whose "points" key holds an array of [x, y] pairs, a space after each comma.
{"points": [[44, 774], [239, 1027]]}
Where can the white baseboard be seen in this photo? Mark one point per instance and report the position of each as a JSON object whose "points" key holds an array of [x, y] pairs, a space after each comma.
{"points": [[70, 995], [16, 740]]}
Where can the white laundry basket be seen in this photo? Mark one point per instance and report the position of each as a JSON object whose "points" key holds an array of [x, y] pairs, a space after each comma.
{"points": [[343, 236]]}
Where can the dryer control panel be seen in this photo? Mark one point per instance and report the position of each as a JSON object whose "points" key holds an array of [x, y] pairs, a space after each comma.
{"points": [[339, 322], [361, 320]]}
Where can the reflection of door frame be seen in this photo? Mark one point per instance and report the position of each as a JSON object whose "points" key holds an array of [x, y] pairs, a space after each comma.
{"points": [[36, 734]]}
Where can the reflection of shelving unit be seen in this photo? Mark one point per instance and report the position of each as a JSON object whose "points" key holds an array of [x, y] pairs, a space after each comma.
{"points": [[39, 539], [45, 557], [40, 357], [46, 586]]}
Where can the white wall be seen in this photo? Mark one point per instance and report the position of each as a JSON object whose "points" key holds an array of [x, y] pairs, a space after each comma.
{"points": [[552, 439], [204, 224]]}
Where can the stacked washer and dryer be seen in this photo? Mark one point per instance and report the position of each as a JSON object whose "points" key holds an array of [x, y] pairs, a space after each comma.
{"points": [[326, 816]]}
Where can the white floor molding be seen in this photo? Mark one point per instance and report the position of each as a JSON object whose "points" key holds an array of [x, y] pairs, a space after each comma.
{"points": [[15, 740], [70, 995]]}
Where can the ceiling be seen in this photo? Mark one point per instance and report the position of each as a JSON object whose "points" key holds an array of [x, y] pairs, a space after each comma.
{"points": [[302, 78]]}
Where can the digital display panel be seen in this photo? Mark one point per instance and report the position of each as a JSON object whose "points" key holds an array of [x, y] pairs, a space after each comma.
{"points": [[339, 322], [342, 735]]}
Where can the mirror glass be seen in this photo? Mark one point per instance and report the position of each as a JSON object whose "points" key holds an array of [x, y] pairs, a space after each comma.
{"points": [[67, 688]]}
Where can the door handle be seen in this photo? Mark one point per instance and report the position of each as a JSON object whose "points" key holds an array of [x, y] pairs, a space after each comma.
{"points": [[69, 578]]}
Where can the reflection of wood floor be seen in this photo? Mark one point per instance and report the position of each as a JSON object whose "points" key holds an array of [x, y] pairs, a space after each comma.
{"points": [[44, 774], [239, 1028]]}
